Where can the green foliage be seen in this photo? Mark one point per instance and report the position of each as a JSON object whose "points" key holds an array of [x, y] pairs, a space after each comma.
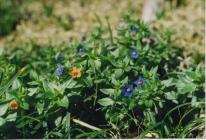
{"points": [[48, 8], [65, 22], [168, 104], [10, 15]]}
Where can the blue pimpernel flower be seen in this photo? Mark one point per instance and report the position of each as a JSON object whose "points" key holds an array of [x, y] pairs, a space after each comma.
{"points": [[59, 70], [139, 82], [59, 58], [127, 90], [80, 50], [134, 53], [133, 30]]}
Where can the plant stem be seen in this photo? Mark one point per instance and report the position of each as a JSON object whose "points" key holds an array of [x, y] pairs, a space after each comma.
{"points": [[110, 31], [86, 125]]}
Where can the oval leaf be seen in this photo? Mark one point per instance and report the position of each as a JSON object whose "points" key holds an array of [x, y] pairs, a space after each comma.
{"points": [[105, 101]]}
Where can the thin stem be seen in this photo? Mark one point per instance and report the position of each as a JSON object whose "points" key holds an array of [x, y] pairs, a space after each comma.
{"points": [[110, 31], [96, 87], [86, 125]]}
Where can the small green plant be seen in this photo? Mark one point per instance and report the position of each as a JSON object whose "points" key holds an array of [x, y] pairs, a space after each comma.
{"points": [[104, 86], [65, 22], [48, 8]]}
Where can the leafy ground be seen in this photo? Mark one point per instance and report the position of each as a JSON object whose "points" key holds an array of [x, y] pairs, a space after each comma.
{"points": [[67, 74], [65, 19]]}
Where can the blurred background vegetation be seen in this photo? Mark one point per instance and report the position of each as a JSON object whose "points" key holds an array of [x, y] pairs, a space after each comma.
{"points": [[55, 21]]}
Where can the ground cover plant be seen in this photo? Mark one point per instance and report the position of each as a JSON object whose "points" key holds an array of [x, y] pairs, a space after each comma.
{"points": [[127, 85]]}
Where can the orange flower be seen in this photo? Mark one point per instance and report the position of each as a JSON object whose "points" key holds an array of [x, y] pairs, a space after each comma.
{"points": [[13, 105], [75, 72]]}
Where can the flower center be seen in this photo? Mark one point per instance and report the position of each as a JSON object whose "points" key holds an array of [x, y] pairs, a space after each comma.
{"points": [[14, 105], [75, 73], [128, 90]]}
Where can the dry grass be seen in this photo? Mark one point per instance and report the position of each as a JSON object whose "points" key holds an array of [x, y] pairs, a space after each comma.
{"points": [[187, 24]]}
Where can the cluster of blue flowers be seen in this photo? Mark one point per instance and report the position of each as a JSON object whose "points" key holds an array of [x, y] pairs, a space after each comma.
{"points": [[59, 70], [128, 89]]}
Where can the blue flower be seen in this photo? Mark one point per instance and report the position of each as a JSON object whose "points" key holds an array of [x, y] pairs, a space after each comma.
{"points": [[134, 53], [59, 58], [127, 90], [139, 82], [80, 50], [133, 30], [59, 70]]}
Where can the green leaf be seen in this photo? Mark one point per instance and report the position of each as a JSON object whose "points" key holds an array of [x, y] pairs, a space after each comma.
{"points": [[148, 103], [108, 91], [118, 73], [97, 63], [167, 83], [58, 121], [66, 120], [125, 80], [115, 53], [16, 84], [160, 104], [33, 83], [45, 86], [25, 106], [194, 101], [60, 135], [33, 74], [40, 107], [185, 86], [2, 121], [170, 95], [88, 81], [64, 102], [105, 101], [166, 130], [32, 91], [114, 81], [188, 88], [49, 87], [3, 109], [8, 84], [126, 60], [69, 84], [11, 117], [99, 81]]}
